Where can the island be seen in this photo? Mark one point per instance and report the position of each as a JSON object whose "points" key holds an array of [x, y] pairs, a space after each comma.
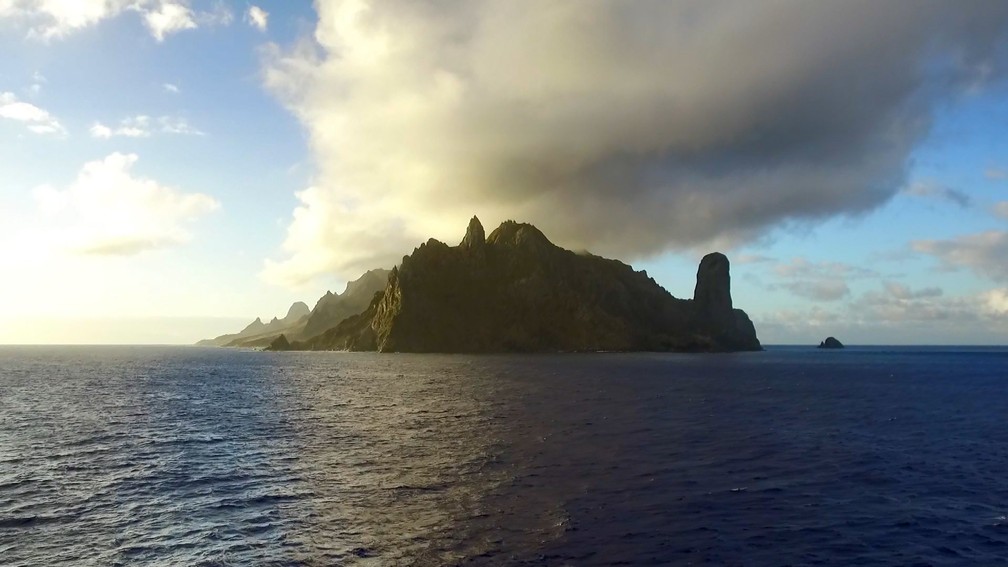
{"points": [[515, 291], [831, 342]]}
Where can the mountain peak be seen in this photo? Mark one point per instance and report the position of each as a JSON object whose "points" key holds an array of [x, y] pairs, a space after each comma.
{"points": [[519, 235], [475, 237], [297, 310]]}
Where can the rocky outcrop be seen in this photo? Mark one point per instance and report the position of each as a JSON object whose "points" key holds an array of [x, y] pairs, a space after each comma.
{"points": [[831, 342], [515, 291], [280, 343], [474, 239]]}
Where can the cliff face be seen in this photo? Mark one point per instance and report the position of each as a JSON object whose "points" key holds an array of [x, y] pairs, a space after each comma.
{"points": [[515, 291]]}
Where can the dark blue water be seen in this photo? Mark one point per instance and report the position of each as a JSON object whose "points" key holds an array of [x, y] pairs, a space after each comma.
{"points": [[185, 456]]}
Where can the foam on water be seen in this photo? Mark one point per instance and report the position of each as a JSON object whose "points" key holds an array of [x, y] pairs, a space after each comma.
{"points": [[184, 456]]}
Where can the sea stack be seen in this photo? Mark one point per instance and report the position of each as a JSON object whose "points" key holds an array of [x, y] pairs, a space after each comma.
{"points": [[713, 286]]}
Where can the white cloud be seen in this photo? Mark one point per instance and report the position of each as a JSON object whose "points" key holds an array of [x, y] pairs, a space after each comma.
{"points": [[168, 18], [54, 19], [99, 130], [142, 126], [257, 18], [178, 125], [109, 211], [171, 88], [48, 19], [996, 301], [34, 118], [133, 127]]}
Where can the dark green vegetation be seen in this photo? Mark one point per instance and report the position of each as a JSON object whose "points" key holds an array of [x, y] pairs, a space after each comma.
{"points": [[515, 291]]}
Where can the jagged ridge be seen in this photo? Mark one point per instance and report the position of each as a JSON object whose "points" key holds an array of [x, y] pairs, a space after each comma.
{"points": [[302, 323], [517, 291]]}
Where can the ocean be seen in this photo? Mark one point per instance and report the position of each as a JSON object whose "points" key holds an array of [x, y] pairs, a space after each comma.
{"points": [[792, 456]]}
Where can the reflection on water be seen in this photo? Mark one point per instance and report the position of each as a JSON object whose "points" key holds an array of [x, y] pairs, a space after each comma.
{"points": [[169, 456], [397, 456]]}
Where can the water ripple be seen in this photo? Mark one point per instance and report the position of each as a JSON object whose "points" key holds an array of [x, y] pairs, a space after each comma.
{"points": [[161, 456]]}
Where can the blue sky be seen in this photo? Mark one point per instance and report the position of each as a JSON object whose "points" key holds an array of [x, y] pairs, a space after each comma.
{"points": [[173, 169]]}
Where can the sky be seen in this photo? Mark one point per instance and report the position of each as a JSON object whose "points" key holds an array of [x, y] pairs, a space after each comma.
{"points": [[172, 169]]}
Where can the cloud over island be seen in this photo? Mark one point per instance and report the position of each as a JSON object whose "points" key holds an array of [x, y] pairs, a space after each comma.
{"points": [[627, 128]]}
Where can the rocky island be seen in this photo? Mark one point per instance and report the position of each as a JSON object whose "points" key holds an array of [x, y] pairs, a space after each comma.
{"points": [[515, 291], [831, 342]]}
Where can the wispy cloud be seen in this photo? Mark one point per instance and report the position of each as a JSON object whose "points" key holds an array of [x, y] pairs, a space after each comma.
{"points": [[996, 173], [34, 118], [804, 268], [819, 290], [818, 281], [1001, 209], [752, 259], [133, 127], [38, 80], [55, 19], [898, 303], [171, 88], [178, 125], [984, 253], [932, 190], [896, 314], [903, 292], [219, 15], [142, 126], [108, 210], [257, 18]]}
